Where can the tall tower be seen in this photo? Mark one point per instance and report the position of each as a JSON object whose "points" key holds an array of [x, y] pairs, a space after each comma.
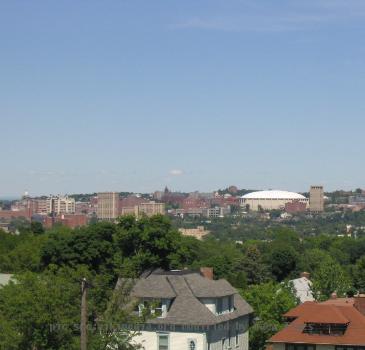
{"points": [[316, 199]]}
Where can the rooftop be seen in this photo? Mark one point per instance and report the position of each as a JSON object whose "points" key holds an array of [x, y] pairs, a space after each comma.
{"points": [[323, 313], [273, 194], [185, 289]]}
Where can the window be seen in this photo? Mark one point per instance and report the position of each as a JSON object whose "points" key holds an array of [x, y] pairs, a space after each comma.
{"points": [[163, 342], [192, 345], [237, 338], [300, 347], [219, 305], [350, 347], [230, 303], [327, 329]]}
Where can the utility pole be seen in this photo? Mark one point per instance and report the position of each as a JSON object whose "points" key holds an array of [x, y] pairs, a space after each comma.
{"points": [[83, 325]]}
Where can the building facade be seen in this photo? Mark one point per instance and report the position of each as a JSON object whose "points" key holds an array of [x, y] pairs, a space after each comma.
{"points": [[150, 209], [316, 199], [270, 200], [61, 205], [190, 311], [108, 206]]}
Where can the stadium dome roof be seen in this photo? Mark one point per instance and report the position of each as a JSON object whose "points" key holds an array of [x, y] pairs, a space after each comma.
{"points": [[273, 194]]}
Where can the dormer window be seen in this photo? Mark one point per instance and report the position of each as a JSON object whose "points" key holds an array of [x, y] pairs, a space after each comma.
{"points": [[325, 328], [154, 307], [224, 305]]}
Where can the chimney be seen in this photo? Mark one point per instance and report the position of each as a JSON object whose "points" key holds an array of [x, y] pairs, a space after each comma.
{"points": [[359, 303], [207, 272], [334, 295], [307, 275]]}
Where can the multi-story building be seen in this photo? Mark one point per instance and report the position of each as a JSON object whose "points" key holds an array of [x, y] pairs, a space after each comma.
{"points": [[41, 206], [198, 232], [336, 324], [68, 220], [216, 212], [316, 199], [108, 205], [188, 310], [295, 206], [149, 209], [61, 205]]}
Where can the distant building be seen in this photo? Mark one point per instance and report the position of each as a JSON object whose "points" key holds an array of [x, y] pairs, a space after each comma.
{"points": [[8, 215], [216, 212], [108, 205], [68, 220], [150, 209], [270, 200], [61, 205], [127, 205], [198, 232], [41, 206], [295, 206], [316, 199], [358, 200]]}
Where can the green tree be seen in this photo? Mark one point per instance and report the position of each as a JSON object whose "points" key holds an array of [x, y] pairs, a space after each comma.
{"points": [[283, 260], [145, 243], [359, 275], [269, 301], [254, 268], [329, 278], [36, 227], [39, 311], [92, 245]]}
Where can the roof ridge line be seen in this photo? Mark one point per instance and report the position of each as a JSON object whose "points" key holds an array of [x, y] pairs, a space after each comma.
{"points": [[187, 283], [171, 285]]}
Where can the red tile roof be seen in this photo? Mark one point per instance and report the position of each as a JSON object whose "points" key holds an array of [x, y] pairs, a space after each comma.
{"points": [[323, 313]]}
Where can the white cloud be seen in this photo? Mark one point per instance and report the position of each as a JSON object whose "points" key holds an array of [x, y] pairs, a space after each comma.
{"points": [[176, 172], [291, 16]]}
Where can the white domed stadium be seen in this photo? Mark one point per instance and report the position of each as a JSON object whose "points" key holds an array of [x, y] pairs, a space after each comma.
{"points": [[270, 200]]}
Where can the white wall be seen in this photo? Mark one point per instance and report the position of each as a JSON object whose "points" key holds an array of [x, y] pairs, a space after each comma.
{"points": [[177, 340], [213, 338]]}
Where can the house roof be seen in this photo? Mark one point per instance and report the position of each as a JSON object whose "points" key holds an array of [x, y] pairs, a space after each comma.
{"points": [[302, 287], [185, 288], [4, 279], [311, 312]]}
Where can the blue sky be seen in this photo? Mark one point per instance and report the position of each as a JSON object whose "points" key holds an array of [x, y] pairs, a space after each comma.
{"points": [[135, 95]]}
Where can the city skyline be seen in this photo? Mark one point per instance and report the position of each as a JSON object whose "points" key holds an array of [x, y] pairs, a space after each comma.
{"points": [[195, 95]]}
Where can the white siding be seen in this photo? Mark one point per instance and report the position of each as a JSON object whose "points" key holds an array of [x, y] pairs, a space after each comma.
{"points": [[177, 340]]}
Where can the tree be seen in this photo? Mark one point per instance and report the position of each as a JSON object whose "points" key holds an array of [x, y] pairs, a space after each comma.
{"points": [[312, 259], [36, 227], [40, 311], [254, 268], [283, 260], [91, 245], [329, 278], [359, 275], [269, 301], [145, 243]]}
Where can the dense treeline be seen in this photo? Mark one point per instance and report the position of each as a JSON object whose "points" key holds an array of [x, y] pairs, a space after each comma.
{"points": [[49, 266]]}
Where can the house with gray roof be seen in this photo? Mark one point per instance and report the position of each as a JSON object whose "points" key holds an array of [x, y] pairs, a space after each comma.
{"points": [[189, 310], [5, 279]]}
